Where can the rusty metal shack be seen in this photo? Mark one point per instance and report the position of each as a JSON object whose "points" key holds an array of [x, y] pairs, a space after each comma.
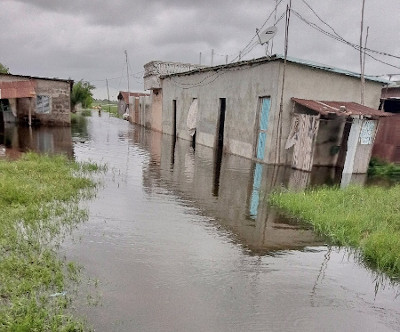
{"points": [[387, 142], [35, 100], [338, 133]]}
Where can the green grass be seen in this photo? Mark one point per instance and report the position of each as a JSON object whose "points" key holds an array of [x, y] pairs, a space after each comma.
{"points": [[367, 219], [379, 168], [39, 198]]}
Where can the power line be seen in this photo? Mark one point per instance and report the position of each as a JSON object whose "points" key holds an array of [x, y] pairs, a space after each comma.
{"points": [[341, 39], [252, 39]]}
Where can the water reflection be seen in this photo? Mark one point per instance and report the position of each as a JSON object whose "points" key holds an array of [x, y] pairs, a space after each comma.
{"points": [[230, 189], [16, 140], [179, 245]]}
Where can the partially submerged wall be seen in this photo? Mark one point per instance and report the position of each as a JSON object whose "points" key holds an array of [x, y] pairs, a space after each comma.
{"points": [[243, 88], [51, 104]]}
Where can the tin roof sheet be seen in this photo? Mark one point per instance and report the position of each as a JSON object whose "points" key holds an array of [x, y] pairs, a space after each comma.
{"points": [[278, 57], [340, 108]]}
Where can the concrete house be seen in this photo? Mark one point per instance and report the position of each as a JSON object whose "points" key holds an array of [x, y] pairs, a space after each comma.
{"points": [[35, 100], [153, 71], [245, 109]]}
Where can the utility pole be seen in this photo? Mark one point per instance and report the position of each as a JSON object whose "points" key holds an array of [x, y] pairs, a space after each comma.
{"points": [[279, 134], [127, 68], [108, 92], [272, 41], [361, 53], [212, 57], [200, 59]]}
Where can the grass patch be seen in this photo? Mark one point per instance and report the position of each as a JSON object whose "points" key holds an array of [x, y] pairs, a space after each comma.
{"points": [[364, 218], [39, 198], [380, 168]]}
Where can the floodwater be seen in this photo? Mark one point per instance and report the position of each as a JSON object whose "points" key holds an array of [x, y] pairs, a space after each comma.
{"points": [[182, 240]]}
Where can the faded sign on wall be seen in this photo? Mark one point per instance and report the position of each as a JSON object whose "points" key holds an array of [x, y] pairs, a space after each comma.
{"points": [[367, 132], [43, 104]]}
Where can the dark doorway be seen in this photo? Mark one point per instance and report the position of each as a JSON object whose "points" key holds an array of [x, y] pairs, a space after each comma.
{"points": [[222, 108], [219, 145], [174, 118], [343, 146]]}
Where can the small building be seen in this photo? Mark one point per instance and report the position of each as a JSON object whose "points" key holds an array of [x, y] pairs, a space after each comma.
{"points": [[387, 141], [135, 105], [153, 71], [253, 109], [35, 100]]}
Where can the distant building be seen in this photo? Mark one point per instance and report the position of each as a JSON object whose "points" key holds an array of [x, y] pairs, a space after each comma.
{"points": [[35, 100], [153, 71], [241, 108]]}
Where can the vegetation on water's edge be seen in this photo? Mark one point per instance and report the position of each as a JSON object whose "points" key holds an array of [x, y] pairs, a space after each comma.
{"points": [[380, 168], [364, 218], [38, 204], [108, 106]]}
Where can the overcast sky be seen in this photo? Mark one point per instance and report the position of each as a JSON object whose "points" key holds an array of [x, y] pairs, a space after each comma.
{"points": [[86, 39]]}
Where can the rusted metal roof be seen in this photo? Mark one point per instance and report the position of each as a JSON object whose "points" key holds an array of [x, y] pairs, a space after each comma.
{"points": [[340, 108], [391, 92], [17, 89]]}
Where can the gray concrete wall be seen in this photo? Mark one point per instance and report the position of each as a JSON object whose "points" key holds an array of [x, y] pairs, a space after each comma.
{"points": [[242, 87]]}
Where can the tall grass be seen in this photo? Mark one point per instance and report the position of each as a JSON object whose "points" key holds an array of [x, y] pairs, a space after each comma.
{"points": [[364, 218], [38, 205]]}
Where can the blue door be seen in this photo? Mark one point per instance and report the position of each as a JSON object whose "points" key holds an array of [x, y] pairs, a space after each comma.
{"points": [[255, 194], [265, 106]]}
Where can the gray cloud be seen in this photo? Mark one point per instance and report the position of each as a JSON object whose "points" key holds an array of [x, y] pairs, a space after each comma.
{"points": [[87, 39]]}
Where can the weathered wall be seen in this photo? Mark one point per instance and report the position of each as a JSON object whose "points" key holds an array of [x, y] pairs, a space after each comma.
{"points": [[155, 122], [58, 94], [311, 83], [243, 87]]}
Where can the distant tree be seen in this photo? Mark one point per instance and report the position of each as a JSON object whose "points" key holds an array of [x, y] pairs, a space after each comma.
{"points": [[82, 93], [4, 69]]}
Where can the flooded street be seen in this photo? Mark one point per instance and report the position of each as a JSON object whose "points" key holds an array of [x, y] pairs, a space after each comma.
{"points": [[183, 240]]}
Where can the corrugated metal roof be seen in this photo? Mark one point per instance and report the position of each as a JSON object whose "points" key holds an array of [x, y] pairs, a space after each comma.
{"points": [[278, 57], [39, 78], [340, 108]]}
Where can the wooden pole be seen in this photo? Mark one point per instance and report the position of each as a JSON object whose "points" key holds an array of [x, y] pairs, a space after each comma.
{"points": [[272, 41], [361, 52], [279, 123], [108, 91], [127, 69], [363, 70]]}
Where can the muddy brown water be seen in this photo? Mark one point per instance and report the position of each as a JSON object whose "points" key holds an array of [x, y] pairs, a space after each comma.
{"points": [[182, 240]]}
